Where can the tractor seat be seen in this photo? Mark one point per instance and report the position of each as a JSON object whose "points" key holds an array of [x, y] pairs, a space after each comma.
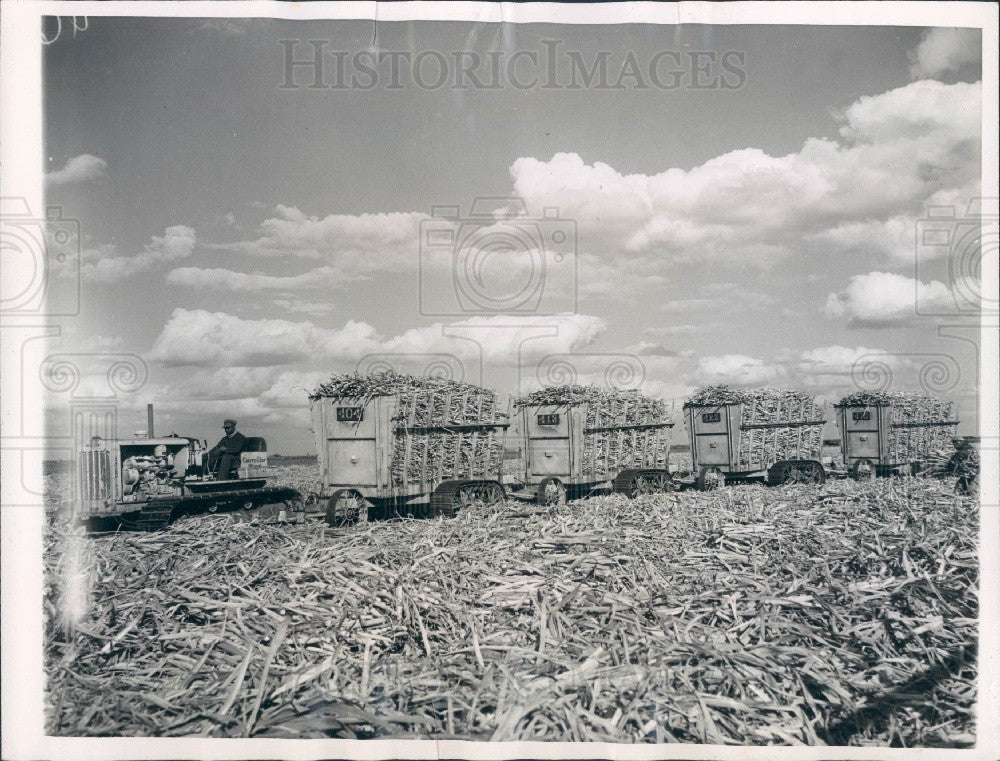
{"points": [[254, 444]]}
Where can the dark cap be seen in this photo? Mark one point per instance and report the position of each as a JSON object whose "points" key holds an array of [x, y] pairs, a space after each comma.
{"points": [[229, 421]]}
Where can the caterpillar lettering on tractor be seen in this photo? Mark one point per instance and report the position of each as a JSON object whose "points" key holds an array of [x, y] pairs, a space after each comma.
{"points": [[147, 481], [576, 440], [399, 445], [737, 435]]}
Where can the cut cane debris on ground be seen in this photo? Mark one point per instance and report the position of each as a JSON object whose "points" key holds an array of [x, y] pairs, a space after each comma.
{"points": [[840, 614]]}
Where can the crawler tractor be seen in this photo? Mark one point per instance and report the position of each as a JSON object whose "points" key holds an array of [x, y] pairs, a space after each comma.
{"points": [[147, 481]]}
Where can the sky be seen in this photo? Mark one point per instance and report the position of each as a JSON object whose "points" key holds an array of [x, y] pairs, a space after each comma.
{"points": [[740, 205]]}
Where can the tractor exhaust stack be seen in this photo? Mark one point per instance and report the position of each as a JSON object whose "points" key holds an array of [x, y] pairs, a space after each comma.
{"points": [[149, 421]]}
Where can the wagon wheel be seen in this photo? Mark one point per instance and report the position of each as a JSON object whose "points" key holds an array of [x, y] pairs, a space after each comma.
{"points": [[803, 473], [279, 510], [295, 510], [551, 491], [467, 495], [345, 507], [246, 511], [710, 478], [493, 493], [650, 483], [863, 470]]}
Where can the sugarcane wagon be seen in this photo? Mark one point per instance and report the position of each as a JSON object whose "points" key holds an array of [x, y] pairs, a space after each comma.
{"points": [[579, 439], [148, 481], [893, 433], [403, 445], [771, 434]]}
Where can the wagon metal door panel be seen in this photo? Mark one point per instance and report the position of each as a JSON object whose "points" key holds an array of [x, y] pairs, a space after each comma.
{"points": [[711, 435], [548, 457], [862, 435], [863, 444], [350, 444], [352, 463], [548, 449]]}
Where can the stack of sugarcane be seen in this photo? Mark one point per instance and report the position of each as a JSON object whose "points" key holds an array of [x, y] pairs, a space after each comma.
{"points": [[775, 423], [920, 426], [623, 428], [428, 445]]}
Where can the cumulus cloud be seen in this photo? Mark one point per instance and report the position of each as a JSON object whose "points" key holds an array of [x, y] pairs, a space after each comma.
{"points": [[893, 237], [675, 330], [219, 279], [199, 337], [355, 244], [80, 168], [737, 369], [650, 349], [935, 116], [727, 297], [498, 262], [270, 387], [865, 190], [843, 367], [230, 382], [105, 265], [298, 306], [881, 299], [942, 50], [895, 150], [835, 358], [600, 278], [509, 338]]}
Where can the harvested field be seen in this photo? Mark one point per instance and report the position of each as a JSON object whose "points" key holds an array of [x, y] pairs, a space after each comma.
{"points": [[841, 614]]}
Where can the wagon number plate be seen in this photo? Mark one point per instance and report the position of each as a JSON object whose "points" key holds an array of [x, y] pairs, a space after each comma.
{"points": [[551, 419], [862, 415], [711, 417], [350, 414]]}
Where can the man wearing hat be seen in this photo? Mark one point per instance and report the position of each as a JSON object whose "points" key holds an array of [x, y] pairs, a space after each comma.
{"points": [[227, 452]]}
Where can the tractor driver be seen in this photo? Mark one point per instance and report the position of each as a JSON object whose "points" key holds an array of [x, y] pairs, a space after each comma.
{"points": [[226, 454]]}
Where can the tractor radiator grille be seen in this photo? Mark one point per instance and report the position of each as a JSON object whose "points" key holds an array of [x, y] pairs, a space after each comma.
{"points": [[95, 475]]}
